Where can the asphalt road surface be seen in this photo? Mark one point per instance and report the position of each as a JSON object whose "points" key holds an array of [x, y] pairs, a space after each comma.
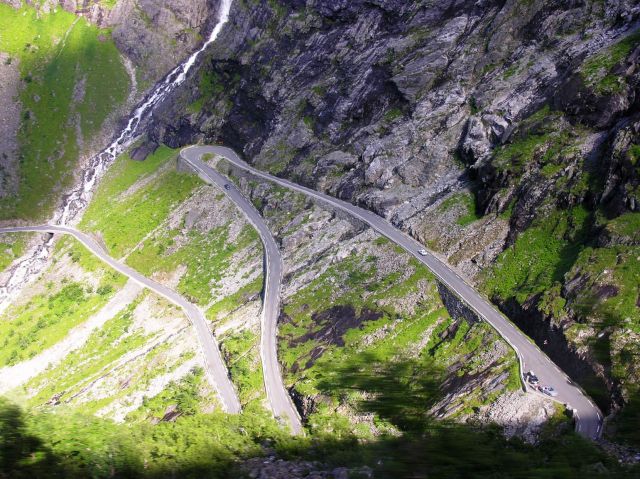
{"points": [[588, 416], [279, 399], [213, 359]]}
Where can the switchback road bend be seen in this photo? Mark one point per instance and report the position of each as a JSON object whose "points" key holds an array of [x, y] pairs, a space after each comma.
{"points": [[213, 359], [588, 416], [279, 399]]}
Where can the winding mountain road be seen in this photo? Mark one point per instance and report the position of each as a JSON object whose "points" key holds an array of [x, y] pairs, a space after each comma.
{"points": [[279, 399], [213, 359], [588, 416]]}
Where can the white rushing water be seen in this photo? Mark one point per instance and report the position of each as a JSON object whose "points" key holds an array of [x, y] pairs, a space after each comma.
{"points": [[76, 200]]}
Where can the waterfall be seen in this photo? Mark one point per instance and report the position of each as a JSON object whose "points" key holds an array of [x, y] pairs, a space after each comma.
{"points": [[77, 199]]}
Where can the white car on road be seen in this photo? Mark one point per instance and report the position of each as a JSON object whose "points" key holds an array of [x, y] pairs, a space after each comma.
{"points": [[422, 252]]}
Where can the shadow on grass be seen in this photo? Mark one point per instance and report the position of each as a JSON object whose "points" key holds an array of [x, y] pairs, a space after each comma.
{"points": [[213, 445], [402, 392], [579, 233], [21, 454], [625, 427]]}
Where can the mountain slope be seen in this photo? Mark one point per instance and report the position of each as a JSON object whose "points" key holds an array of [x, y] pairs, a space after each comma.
{"points": [[70, 79], [499, 133]]}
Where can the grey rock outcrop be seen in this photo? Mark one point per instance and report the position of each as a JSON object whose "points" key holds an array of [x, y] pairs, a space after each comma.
{"points": [[402, 88]]}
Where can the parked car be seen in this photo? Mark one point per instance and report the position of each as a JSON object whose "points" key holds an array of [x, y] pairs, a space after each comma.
{"points": [[532, 378], [549, 391]]}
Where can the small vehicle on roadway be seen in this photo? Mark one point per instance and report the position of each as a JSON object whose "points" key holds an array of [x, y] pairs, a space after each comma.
{"points": [[422, 252], [549, 391], [227, 186], [532, 378]]}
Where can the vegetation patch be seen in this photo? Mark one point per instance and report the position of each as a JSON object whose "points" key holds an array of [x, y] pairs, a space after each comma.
{"points": [[211, 445], [242, 353], [130, 211], [395, 319], [465, 203], [233, 301], [393, 114], [124, 219], [544, 139], [625, 423], [72, 72], [119, 362], [84, 365], [30, 328], [331, 325], [179, 398], [557, 266], [207, 257], [597, 71], [610, 295], [634, 154], [76, 445], [540, 256], [12, 247], [625, 227]]}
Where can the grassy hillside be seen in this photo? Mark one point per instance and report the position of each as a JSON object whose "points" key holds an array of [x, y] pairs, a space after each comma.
{"points": [[365, 336], [12, 247], [72, 79], [141, 210], [124, 213], [142, 346], [575, 263], [214, 446], [350, 299], [172, 227], [386, 315], [79, 287]]}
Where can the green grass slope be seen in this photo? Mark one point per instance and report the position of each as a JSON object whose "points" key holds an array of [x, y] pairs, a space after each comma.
{"points": [[171, 225], [72, 79], [124, 219], [12, 247], [73, 445], [60, 303]]}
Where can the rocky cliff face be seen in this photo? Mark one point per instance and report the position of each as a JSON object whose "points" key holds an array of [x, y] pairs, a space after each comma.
{"points": [[395, 105], [471, 125]]}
